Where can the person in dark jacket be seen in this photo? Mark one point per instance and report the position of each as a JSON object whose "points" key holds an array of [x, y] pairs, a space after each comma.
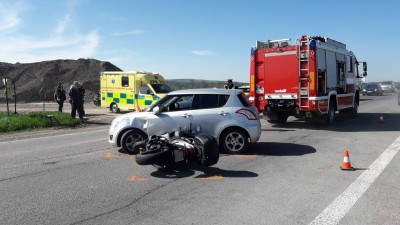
{"points": [[60, 96], [76, 100], [82, 95], [229, 84]]}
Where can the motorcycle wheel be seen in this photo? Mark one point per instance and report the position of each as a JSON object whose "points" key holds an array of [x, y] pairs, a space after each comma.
{"points": [[154, 158]]}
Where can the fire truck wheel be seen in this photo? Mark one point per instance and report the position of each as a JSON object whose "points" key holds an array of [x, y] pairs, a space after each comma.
{"points": [[280, 118], [129, 138], [354, 110], [234, 141], [114, 108], [331, 114]]}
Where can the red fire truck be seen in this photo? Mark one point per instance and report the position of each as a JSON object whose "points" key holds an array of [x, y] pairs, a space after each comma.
{"points": [[311, 79]]}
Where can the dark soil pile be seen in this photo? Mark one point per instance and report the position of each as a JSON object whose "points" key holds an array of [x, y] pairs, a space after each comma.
{"points": [[37, 81]]}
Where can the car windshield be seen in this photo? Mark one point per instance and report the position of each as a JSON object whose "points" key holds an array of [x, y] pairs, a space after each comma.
{"points": [[387, 83], [372, 86], [185, 101], [161, 88]]}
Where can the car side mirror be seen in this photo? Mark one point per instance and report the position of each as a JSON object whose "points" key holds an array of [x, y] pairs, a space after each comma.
{"points": [[156, 110]]}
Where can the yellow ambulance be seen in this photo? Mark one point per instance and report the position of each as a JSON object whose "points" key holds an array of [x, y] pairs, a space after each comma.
{"points": [[132, 91]]}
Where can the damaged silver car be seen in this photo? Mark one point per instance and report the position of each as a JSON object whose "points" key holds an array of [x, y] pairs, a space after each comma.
{"points": [[225, 114]]}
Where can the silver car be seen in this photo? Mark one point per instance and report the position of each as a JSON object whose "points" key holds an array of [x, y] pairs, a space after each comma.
{"points": [[388, 86], [224, 113]]}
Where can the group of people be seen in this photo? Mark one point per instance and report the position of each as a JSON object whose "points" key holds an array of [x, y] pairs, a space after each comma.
{"points": [[76, 98]]}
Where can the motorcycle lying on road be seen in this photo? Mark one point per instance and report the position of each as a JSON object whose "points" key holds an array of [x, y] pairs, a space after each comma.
{"points": [[179, 147]]}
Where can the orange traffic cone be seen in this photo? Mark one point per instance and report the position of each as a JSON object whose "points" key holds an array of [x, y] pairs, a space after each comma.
{"points": [[381, 119], [346, 165], [137, 107]]}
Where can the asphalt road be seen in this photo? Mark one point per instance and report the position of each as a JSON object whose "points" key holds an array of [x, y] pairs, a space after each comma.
{"points": [[291, 176]]}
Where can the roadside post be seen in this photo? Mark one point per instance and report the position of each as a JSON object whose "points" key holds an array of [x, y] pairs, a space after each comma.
{"points": [[7, 82]]}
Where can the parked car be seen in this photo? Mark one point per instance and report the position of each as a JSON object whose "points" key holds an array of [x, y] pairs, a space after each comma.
{"points": [[373, 89], [388, 86], [225, 114]]}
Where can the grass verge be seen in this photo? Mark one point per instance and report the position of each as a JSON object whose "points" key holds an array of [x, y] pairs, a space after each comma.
{"points": [[34, 120]]}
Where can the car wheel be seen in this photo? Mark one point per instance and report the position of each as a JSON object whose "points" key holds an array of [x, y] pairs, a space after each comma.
{"points": [[114, 108], [129, 138], [234, 141]]}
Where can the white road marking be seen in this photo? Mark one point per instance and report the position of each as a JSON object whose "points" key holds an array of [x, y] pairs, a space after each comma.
{"points": [[344, 202]]}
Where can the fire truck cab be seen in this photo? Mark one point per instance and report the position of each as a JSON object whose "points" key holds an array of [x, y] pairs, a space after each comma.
{"points": [[312, 79]]}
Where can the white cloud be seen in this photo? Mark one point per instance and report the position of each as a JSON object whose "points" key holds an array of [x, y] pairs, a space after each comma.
{"points": [[133, 32], [66, 44], [9, 15], [202, 52], [63, 24], [26, 49]]}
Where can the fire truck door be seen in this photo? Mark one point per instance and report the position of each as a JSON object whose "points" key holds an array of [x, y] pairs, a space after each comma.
{"points": [[321, 83], [341, 78]]}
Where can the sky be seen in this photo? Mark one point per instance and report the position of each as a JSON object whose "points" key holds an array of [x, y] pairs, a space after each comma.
{"points": [[194, 39]]}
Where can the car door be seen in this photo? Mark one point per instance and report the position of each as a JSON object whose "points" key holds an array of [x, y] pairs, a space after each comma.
{"points": [[170, 118], [208, 114]]}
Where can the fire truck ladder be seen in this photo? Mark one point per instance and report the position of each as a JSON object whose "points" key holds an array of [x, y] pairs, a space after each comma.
{"points": [[303, 54]]}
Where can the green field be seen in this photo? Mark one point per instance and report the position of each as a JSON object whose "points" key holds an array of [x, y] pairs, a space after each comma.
{"points": [[34, 120]]}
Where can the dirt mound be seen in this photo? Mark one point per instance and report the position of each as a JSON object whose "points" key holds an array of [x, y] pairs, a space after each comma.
{"points": [[37, 81]]}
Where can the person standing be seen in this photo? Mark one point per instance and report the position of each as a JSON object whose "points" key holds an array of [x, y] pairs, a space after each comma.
{"points": [[229, 84], [82, 96], [60, 96], [76, 100]]}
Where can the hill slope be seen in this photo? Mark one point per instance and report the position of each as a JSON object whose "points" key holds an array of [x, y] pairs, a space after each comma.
{"points": [[37, 81]]}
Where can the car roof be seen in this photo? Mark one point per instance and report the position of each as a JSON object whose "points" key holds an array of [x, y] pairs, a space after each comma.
{"points": [[207, 91]]}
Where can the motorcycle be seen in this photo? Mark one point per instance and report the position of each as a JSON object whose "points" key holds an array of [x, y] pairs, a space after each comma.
{"points": [[170, 149], [97, 100]]}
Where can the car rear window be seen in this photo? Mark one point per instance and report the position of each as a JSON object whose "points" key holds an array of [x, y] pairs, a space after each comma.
{"points": [[244, 100]]}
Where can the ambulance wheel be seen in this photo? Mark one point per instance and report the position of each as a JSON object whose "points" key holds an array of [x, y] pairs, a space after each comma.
{"points": [[129, 138], [114, 108]]}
